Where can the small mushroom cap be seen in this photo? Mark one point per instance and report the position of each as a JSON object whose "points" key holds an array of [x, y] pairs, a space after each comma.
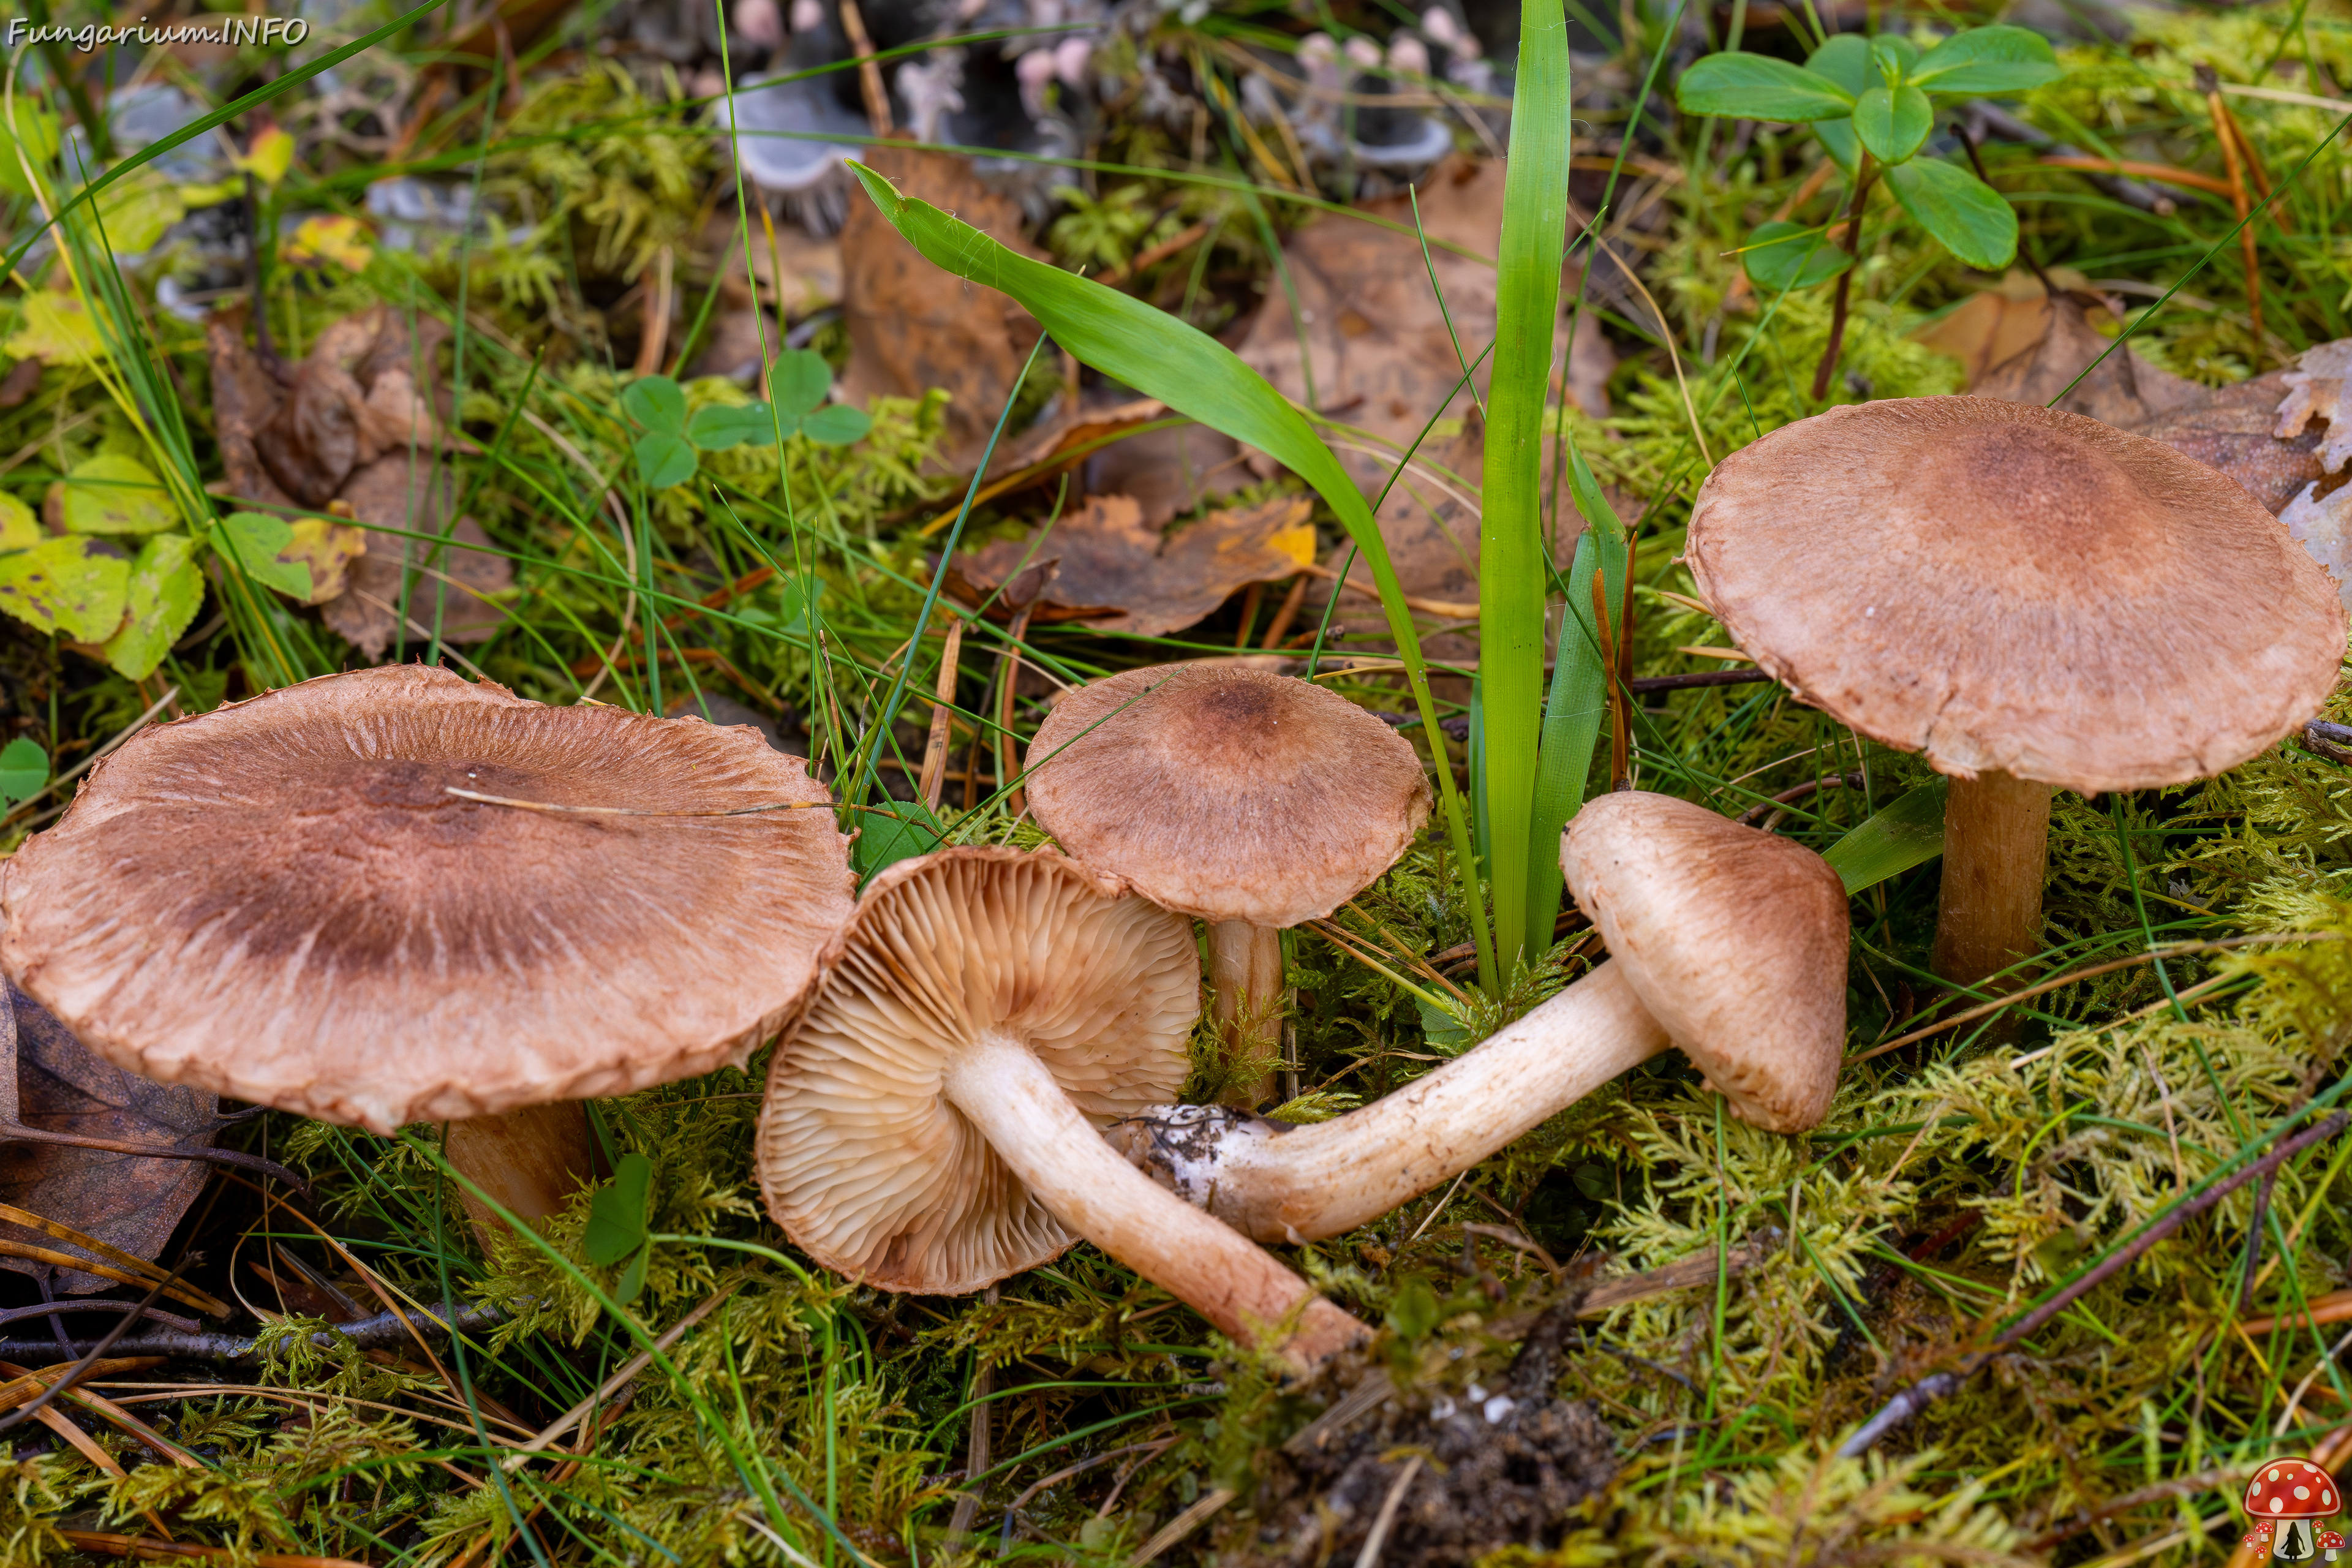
{"points": [[861, 1157], [1734, 940], [1229, 793], [2009, 587], [278, 901], [2292, 1489]]}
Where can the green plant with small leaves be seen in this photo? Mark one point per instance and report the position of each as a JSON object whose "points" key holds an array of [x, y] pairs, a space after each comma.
{"points": [[669, 444], [1873, 103]]}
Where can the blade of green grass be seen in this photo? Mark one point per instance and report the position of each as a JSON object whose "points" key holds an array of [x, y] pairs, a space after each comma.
{"points": [[1907, 832], [1512, 559], [1580, 693], [1160, 356]]}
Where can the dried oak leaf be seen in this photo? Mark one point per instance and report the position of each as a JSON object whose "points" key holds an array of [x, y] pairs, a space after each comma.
{"points": [[1124, 575], [2238, 429], [50, 1084], [245, 398], [394, 493], [354, 398], [1379, 345], [912, 326], [1996, 324]]}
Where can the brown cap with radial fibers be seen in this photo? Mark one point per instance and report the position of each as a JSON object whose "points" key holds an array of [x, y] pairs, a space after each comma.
{"points": [[2008, 587], [277, 901], [1734, 940], [1227, 792], [861, 1157]]}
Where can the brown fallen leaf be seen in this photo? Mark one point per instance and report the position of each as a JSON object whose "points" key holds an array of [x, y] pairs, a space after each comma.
{"points": [[245, 397], [2124, 391], [2316, 391], [1382, 358], [354, 398], [391, 493], [912, 326], [1124, 575], [1999, 323], [48, 1083], [2235, 429]]}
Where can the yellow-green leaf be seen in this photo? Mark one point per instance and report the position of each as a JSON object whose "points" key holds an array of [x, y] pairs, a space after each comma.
{"points": [[113, 494], [64, 586], [165, 593], [57, 331], [325, 549], [19, 529]]}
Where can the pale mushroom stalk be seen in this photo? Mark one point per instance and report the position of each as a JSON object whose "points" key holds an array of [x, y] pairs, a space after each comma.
{"points": [[1245, 976], [1726, 942], [529, 1162], [1996, 848], [1003, 1089], [1278, 1183]]}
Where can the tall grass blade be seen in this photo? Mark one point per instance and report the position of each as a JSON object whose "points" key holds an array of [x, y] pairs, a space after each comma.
{"points": [[1907, 832], [1580, 694], [1191, 372], [1512, 561]]}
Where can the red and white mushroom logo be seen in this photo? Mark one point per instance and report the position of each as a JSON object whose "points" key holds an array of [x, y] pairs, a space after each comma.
{"points": [[2286, 1495]]}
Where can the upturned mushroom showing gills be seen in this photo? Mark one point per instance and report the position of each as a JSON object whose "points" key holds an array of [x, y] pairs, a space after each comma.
{"points": [[1726, 942], [932, 1121], [282, 901], [2027, 597], [1249, 800]]}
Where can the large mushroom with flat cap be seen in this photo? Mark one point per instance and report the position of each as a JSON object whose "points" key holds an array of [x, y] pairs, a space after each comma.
{"points": [[2028, 598], [283, 901], [1249, 800], [1728, 943], [933, 1118]]}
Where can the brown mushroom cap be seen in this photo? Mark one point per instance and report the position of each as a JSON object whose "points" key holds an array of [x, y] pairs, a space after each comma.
{"points": [[1734, 940], [861, 1159], [1229, 793], [2008, 587], [277, 901]]}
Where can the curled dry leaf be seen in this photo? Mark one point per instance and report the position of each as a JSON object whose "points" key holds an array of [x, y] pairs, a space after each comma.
{"points": [[453, 582], [49, 1083], [1124, 575], [2316, 390], [2124, 391], [911, 326], [2235, 429], [1382, 357]]}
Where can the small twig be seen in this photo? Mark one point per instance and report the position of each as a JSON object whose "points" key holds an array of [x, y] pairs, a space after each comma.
{"points": [[1387, 1515], [1839, 308], [1927, 1390], [1764, 808], [81, 1369], [156, 1314], [2024, 251], [1184, 1524], [385, 1330], [1697, 678]]}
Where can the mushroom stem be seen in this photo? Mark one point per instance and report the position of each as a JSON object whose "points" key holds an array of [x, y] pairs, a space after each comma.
{"points": [[531, 1160], [1279, 1183], [1996, 851], [1245, 969], [1003, 1089]]}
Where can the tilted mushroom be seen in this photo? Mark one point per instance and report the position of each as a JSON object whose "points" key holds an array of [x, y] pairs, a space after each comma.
{"points": [[931, 1117], [2027, 597], [1252, 800], [1726, 942], [280, 901]]}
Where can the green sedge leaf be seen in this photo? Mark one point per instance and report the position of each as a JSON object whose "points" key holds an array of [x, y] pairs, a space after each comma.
{"points": [[719, 427], [617, 1215], [799, 381], [1967, 216], [166, 590], [70, 586], [836, 424], [1758, 87], [664, 460], [256, 540], [1987, 59], [1907, 832], [656, 404], [1791, 256], [23, 769], [1892, 123]]}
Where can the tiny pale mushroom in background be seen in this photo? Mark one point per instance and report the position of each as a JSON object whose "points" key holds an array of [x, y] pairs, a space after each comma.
{"points": [[1725, 941], [931, 1120], [1249, 800], [280, 901], [2027, 597]]}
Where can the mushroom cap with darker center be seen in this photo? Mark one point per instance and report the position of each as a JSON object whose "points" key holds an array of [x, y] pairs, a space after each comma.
{"points": [[1227, 793], [2008, 587], [861, 1157], [1735, 940], [278, 900]]}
